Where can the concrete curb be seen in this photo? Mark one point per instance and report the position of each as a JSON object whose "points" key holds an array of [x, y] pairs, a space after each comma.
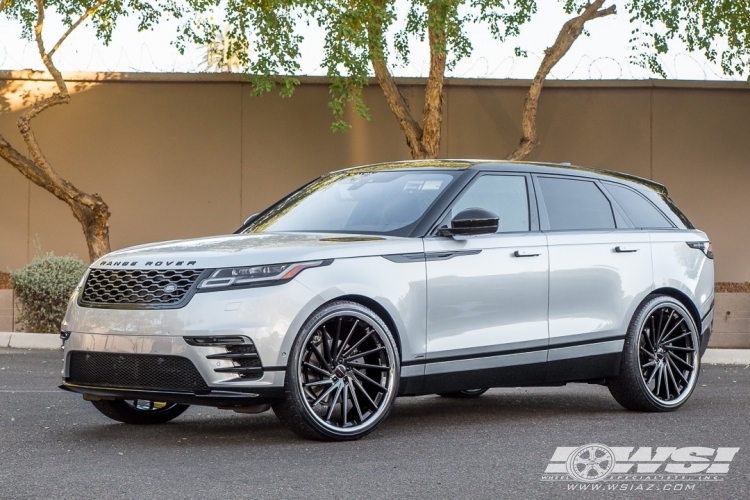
{"points": [[20, 340], [726, 357]]}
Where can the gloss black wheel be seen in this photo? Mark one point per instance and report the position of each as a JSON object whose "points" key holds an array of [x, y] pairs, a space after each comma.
{"points": [[465, 394], [139, 411], [342, 377], [661, 360]]}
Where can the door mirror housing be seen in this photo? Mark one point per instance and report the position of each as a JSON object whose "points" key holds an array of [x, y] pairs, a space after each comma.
{"points": [[472, 222]]}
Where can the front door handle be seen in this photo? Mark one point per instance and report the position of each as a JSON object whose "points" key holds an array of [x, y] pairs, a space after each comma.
{"points": [[625, 249], [526, 253]]}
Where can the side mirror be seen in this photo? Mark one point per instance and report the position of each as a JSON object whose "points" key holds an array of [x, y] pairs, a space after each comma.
{"points": [[472, 221]]}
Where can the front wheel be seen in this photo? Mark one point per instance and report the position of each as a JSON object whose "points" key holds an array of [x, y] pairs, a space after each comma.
{"points": [[660, 361], [139, 411], [342, 376]]}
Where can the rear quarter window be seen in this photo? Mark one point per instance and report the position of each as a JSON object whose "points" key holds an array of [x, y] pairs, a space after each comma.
{"points": [[642, 213]]}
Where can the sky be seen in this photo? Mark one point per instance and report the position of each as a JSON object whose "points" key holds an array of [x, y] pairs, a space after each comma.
{"points": [[604, 54]]}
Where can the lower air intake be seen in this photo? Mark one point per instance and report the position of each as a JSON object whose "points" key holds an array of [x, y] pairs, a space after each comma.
{"points": [[135, 371]]}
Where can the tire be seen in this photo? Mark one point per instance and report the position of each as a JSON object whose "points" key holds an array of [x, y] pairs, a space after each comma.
{"points": [[139, 412], [466, 394], [342, 376], [660, 361]]}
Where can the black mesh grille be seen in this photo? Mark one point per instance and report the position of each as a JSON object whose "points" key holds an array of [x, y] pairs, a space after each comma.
{"points": [[138, 286], [135, 371]]}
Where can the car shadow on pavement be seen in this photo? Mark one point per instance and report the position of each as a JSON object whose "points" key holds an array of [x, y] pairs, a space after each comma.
{"points": [[211, 427]]}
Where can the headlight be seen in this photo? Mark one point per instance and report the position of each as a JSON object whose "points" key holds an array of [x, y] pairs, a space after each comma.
{"points": [[257, 275], [703, 246]]}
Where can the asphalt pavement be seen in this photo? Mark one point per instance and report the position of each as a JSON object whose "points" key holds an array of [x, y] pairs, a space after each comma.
{"points": [[55, 445]]}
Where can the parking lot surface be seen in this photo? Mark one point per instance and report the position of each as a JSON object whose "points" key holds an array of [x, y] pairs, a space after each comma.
{"points": [[55, 445]]}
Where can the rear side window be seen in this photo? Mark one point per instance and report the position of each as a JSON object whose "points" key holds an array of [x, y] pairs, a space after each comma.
{"points": [[575, 205], [640, 211]]}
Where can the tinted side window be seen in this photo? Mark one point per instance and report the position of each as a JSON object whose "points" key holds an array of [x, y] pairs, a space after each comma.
{"points": [[504, 195], [641, 212], [575, 205]]}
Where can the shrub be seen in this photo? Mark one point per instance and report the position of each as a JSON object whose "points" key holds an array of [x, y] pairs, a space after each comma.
{"points": [[44, 287]]}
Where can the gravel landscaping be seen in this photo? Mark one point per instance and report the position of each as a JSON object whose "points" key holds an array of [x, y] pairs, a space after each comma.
{"points": [[733, 287]]}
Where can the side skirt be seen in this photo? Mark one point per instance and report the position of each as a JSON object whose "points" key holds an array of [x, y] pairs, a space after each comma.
{"points": [[558, 366]]}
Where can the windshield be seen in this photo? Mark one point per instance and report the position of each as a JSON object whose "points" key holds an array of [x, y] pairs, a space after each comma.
{"points": [[381, 202]]}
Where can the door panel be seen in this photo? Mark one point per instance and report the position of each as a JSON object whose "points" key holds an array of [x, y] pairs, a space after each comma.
{"points": [[594, 287], [486, 302]]}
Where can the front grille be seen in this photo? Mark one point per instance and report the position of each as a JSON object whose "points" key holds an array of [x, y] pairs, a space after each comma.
{"points": [[138, 287], [135, 371]]}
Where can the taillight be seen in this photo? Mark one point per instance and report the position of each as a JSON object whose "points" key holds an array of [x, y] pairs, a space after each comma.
{"points": [[703, 246]]}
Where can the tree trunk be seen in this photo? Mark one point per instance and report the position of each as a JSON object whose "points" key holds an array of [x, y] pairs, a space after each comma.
{"points": [[89, 209], [569, 33], [423, 140], [432, 113]]}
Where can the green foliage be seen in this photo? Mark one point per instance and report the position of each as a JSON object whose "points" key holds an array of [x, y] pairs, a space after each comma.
{"points": [[44, 288], [266, 27], [354, 37], [104, 19], [720, 29]]}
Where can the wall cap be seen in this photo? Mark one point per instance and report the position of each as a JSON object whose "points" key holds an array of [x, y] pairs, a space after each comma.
{"points": [[137, 77]]}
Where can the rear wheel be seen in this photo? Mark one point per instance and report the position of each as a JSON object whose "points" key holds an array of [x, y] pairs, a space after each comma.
{"points": [[342, 376], [139, 411], [660, 361], [466, 394]]}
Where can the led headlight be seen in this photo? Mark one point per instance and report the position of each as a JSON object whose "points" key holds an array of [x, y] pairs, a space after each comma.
{"points": [[256, 275]]}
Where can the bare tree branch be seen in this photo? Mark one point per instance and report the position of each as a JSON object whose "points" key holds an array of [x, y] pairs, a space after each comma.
{"points": [[569, 33], [73, 26], [396, 101], [43, 53], [89, 209]]}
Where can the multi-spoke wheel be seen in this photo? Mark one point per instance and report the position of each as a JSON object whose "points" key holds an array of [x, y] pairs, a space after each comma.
{"points": [[660, 361], [342, 375], [465, 394], [139, 411]]}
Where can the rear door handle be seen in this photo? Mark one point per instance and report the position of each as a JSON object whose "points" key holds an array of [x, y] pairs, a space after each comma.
{"points": [[625, 249], [526, 253]]}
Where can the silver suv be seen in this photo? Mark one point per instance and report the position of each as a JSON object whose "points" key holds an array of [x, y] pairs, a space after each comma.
{"points": [[398, 279]]}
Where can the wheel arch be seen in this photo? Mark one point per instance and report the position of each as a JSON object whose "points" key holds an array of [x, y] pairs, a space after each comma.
{"points": [[380, 310], [684, 300]]}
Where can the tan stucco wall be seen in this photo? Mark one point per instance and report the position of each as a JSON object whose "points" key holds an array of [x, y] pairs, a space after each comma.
{"points": [[180, 156]]}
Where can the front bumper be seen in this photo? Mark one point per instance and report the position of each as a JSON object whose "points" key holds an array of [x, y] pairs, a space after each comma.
{"points": [[224, 398], [266, 317], [221, 385]]}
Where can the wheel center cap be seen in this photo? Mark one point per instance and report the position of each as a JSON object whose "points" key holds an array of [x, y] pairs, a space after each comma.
{"points": [[340, 371]]}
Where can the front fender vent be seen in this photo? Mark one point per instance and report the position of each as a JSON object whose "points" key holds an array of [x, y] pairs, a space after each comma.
{"points": [[239, 350]]}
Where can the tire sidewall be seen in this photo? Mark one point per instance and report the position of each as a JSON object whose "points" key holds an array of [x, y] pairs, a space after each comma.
{"points": [[634, 347], [121, 411], [292, 381]]}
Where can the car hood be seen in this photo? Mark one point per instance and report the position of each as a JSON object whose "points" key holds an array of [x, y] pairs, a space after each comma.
{"points": [[255, 249]]}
